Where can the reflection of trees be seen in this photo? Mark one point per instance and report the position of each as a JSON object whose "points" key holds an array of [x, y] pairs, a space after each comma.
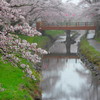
{"points": [[92, 89], [51, 73], [48, 84], [54, 64], [88, 90], [95, 85], [91, 92], [83, 73], [82, 93]]}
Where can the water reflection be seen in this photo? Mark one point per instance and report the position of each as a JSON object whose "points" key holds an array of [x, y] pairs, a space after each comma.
{"points": [[67, 78]]}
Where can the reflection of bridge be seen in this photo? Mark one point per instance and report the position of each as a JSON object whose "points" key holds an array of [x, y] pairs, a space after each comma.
{"points": [[61, 55], [66, 26]]}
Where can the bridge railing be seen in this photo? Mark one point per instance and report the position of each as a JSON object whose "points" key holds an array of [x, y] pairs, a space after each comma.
{"points": [[69, 24], [64, 26]]}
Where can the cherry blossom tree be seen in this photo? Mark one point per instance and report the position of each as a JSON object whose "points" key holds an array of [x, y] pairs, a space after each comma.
{"points": [[13, 48], [67, 12], [72, 11], [38, 9], [92, 11], [50, 11]]}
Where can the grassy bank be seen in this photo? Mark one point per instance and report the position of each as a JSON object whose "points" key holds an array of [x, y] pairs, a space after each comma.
{"points": [[42, 40], [90, 53], [54, 33], [97, 39], [14, 83]]}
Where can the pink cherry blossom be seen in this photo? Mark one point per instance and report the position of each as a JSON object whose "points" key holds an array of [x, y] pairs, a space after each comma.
{"points": [[13, 21]]}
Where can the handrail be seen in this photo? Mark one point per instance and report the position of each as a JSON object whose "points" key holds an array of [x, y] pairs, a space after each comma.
{"points": [[70, 24], [66, 26]]}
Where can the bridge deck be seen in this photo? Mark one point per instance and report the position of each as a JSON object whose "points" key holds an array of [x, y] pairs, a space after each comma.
{"points": [[71, 26]]}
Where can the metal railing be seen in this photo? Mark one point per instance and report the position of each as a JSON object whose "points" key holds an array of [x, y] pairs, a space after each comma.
{"points": [[69, 24]]}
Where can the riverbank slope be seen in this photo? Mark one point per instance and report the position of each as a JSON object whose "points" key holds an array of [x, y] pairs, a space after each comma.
{"points": [[89, 50], [14, 83]]}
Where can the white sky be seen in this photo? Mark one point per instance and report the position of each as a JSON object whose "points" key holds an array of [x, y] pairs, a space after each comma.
{"points": [[74, 1]]}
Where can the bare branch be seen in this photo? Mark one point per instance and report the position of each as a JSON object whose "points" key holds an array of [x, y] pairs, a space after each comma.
{"points": [[23, 5]]}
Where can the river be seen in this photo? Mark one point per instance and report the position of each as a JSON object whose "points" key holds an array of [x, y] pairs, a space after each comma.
{"points": [[65, 76]]}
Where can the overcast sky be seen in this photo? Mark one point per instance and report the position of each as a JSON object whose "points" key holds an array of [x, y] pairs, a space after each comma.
{"points": [[74, 1]]}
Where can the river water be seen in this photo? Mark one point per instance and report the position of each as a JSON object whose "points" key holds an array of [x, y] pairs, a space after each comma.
{"points": [[65, 76]]}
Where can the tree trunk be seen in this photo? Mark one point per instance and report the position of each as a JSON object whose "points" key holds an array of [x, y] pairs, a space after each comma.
{"points": [[97, 30]]}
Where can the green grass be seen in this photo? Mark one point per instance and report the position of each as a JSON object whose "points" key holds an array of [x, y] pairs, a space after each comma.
{"points": [[40, 40], [97, 39], [11, 79], [14, 81], [91, 54], [55, 33]]}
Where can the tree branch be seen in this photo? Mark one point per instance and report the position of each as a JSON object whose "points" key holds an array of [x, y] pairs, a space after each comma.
{"points": [[21, 5]]}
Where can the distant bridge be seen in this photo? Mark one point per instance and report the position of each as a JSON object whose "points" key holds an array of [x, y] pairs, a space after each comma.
{"points": [[66, 26]]}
